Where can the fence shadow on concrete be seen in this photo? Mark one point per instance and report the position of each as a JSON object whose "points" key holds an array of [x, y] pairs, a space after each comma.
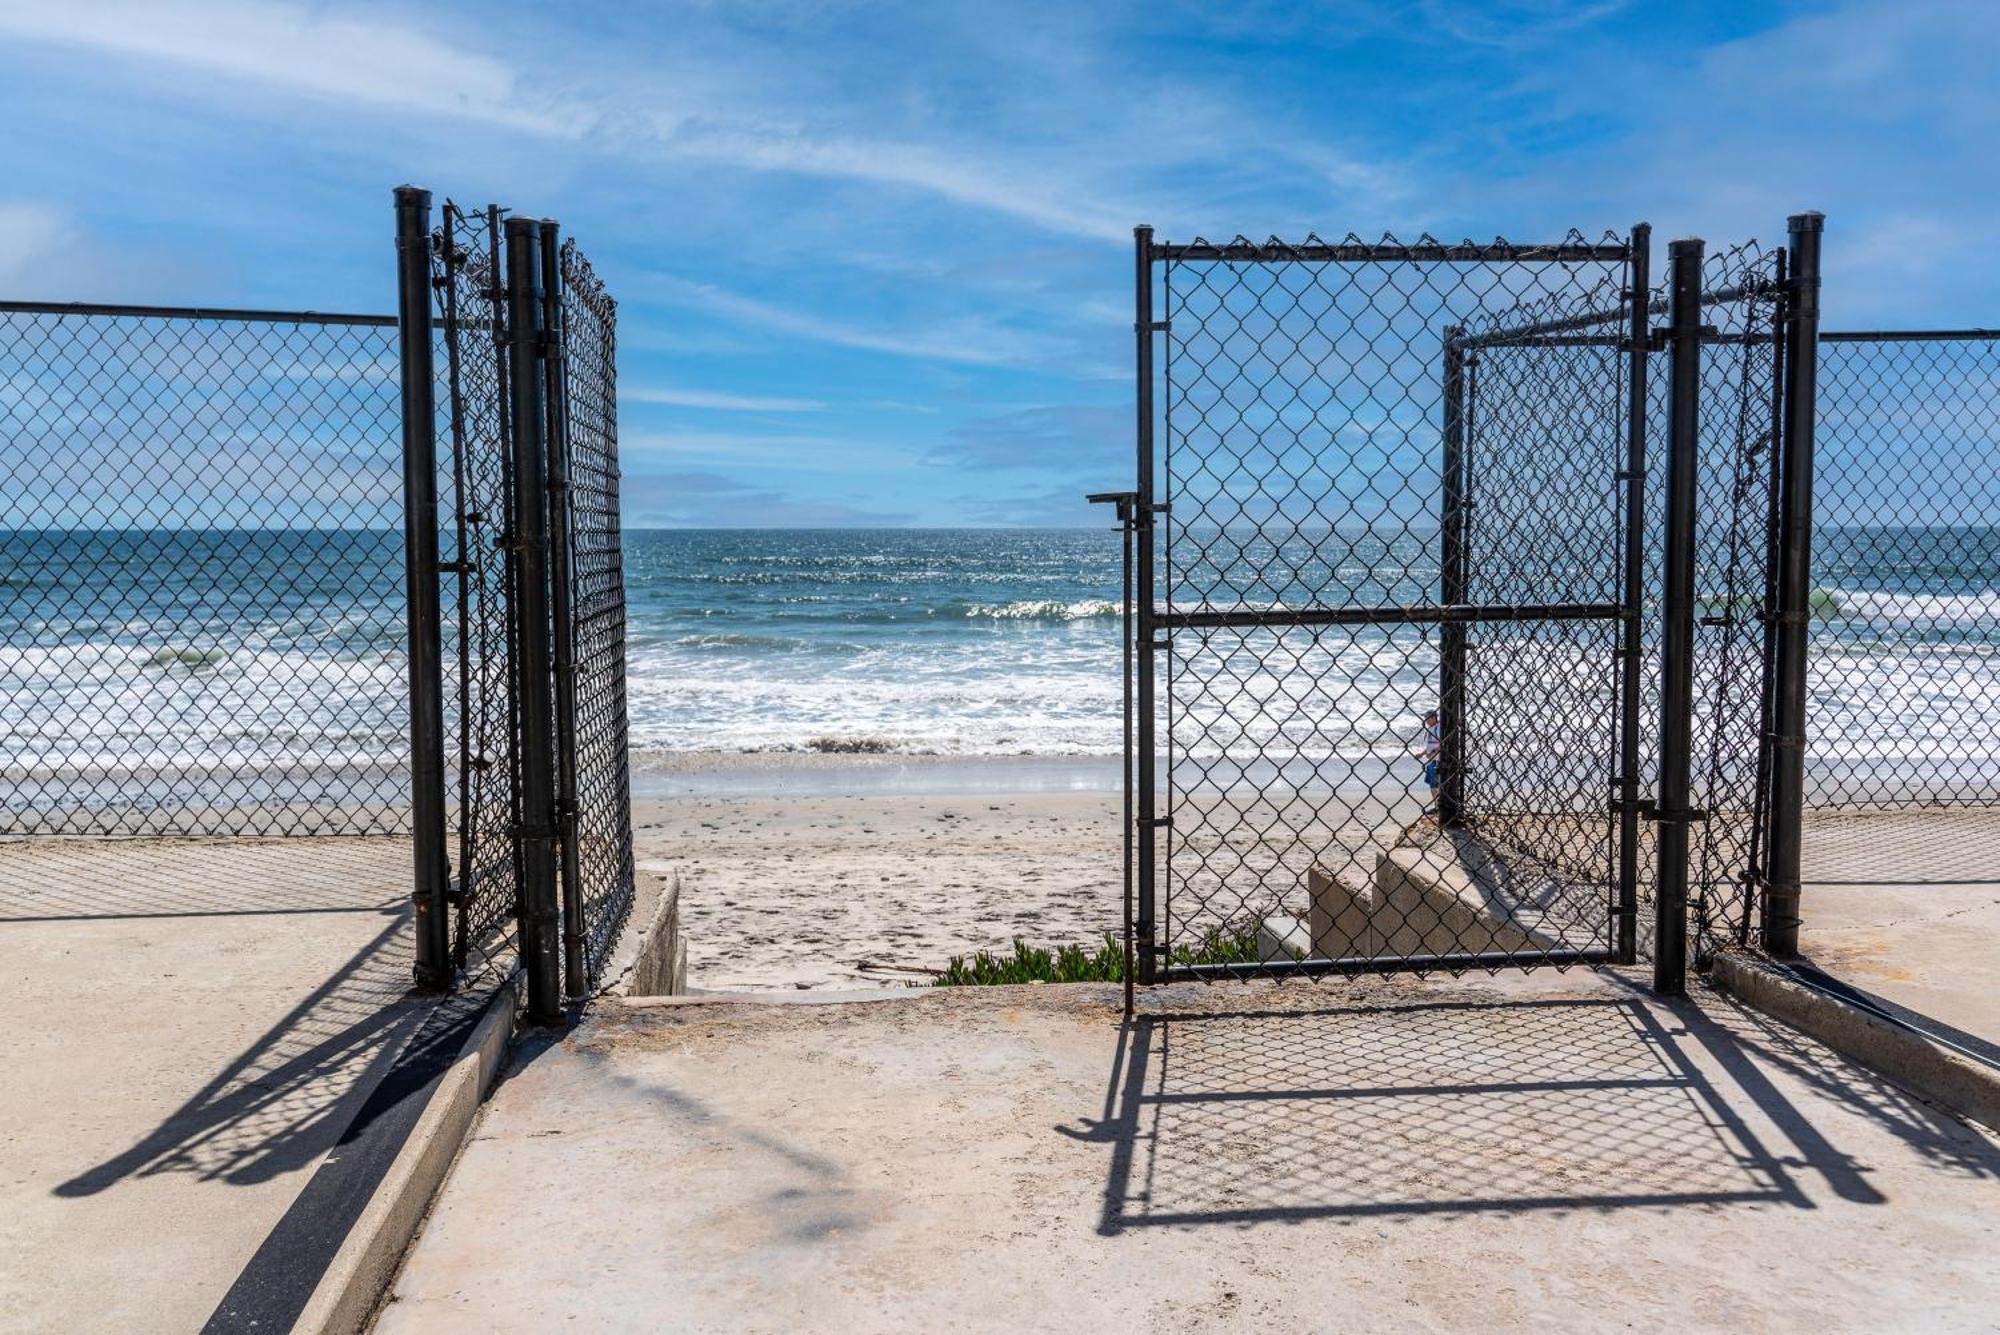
{"points": [[222, 918], [1491, 1107]]}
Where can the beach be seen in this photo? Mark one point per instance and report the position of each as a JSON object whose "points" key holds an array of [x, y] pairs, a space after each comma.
{"points": [[813, 872]]}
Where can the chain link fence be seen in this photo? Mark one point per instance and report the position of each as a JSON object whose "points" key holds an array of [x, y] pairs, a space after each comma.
{"points": [[481, 760], [292, 573], [600, 835], [526, 648], [203, 625], [1460, 570], [1735, 513], [1905, 665], [1367, 523]]}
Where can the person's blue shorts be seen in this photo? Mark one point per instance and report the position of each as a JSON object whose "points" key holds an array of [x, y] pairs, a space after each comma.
{"points": [[1430, 774]]}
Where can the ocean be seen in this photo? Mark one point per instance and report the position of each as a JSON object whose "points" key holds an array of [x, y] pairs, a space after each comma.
{"points": [[225, 649]]}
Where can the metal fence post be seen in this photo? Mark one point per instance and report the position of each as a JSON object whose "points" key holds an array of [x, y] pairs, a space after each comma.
{"points": [[1143, 539], [1794, 586], [432, 869], [1632, 640], [534, 685], [576, 979], [1677, 619], [1126, 502], [1454, 578]]}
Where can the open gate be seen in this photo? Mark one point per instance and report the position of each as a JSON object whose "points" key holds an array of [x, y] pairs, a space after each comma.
{"points": [[1423, 677], [521, 808]]}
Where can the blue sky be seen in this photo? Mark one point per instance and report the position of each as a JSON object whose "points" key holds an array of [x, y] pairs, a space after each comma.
{"points": [[874, 261]]}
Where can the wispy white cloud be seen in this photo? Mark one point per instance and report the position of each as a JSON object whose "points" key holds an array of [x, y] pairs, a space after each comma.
{"points": [[800, 452], [986, 181], [368, 59], [377, 61], [969, 340], [30, 231], [712, 399]]}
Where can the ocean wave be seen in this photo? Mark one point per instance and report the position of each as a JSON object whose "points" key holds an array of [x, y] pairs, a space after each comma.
{"points": [[1956, 610], [1039, 609]]}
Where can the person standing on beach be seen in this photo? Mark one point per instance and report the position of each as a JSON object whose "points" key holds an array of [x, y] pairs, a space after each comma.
{"points": [[1429, 752]]}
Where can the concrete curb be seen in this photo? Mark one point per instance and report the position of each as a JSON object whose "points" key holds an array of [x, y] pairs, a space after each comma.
{"points": [[1966, 1087], [345, 1297]]}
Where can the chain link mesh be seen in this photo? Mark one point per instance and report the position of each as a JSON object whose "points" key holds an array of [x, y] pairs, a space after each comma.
{"points": [[202, 523], [603, 829], [1735, 508], [1904, 666], [475, 515], [1309, 499]]}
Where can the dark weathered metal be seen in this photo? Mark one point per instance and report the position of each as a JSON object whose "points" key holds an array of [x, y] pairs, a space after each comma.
{"points": [[1677, 613], [1452, 581], [1906, 335], [1398, 614], [1147, 650], [534, 690], [1632, 637], [432, 871], [223, 314], [1386, 252], [1445, 962], [1794, 586], [576, 974], [1127, 506]]}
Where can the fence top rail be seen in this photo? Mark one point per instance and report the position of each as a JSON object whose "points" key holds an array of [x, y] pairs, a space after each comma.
{"points": [[216, 313], [1545, 332], [1907, 335], [1353, 250]]}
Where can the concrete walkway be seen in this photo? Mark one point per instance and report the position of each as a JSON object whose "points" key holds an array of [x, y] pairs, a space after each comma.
{"points": [[188, 1026], [1384, 1154], [1906, 907]]}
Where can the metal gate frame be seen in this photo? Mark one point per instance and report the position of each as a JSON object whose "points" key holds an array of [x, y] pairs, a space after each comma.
{"points": [[1769, 874], [538, 339]]}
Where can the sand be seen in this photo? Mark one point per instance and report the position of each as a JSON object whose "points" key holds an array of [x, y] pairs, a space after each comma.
{"points": [[853, 876]]}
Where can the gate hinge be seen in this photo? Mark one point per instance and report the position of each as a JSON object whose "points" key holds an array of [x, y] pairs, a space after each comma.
{"points": [[1652, 811], [452, 568], [538, 833], [1156, 822], [1156, 327]]}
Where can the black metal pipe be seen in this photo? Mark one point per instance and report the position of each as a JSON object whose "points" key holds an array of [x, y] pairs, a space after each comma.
{"points": [[1454, 577], [533, 685], [1404, 614], [576, 977], [1632, 640], [432, 869], [1758, 866], [1547, 333], [469, 575], [1125, 635], [1677, 619], [1905, 335], [1142, 539], [1362, 252], [1367, 964], [225, 313], [1788, 725]]}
